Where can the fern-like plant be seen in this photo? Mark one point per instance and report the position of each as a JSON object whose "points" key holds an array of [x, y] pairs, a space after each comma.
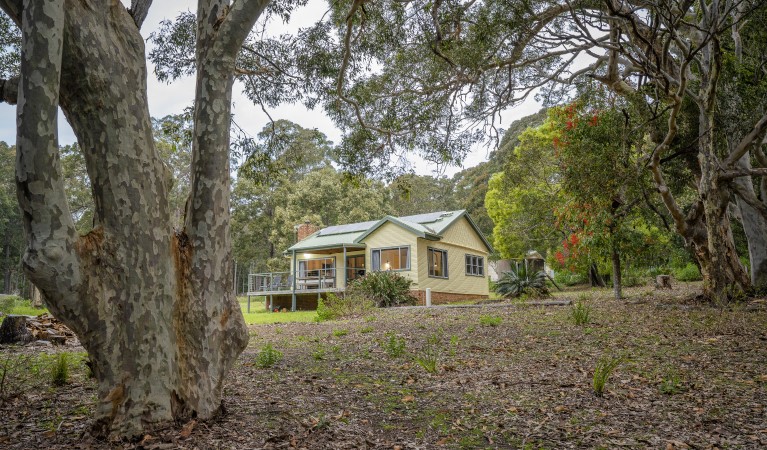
{"points": [[513, 284]]}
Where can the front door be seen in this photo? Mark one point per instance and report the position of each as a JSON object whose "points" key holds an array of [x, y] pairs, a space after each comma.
{"points": [[355, 267]]}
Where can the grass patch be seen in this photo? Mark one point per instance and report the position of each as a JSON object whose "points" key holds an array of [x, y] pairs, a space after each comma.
{"points": [[581, 314], [268, 357], [602, 372], [259, 315], [490, 321], [394, 346]]}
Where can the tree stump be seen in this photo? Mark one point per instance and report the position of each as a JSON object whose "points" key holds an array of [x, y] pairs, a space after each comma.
{"points": [[14, 330], [663, 282]]}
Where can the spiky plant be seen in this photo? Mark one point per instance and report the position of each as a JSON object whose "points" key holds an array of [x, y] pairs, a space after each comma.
{"points": [[513, 284]]}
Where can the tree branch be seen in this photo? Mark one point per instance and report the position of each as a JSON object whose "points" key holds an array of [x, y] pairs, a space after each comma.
{"points": [[732, 174], [754, 136], [51, 260], [238, 22], [13, 9], [9, 90], [750, 199], [139, 10]]}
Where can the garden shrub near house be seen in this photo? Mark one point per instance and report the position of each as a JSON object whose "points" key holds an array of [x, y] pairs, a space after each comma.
{"points": [[385, 289], [342, 306], [514, 284]]}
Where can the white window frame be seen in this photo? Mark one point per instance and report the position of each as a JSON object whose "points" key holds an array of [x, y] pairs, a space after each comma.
{"points": [[430, 262]]}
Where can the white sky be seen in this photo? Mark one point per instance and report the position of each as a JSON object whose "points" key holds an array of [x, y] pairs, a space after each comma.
{"points": [[172, 98]]}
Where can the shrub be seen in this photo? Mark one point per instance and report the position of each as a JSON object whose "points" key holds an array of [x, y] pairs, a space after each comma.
{"points": [[490, 321], [268, 357], [385, 289], [394, 345], [605, 367], [341, 332], [7, 303], [581, 313], [337, 307], [690, 272], [60, 370], [569, 278], [513, 284]]}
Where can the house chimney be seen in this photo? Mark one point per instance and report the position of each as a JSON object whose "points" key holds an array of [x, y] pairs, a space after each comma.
{"points": [[305, 229]]}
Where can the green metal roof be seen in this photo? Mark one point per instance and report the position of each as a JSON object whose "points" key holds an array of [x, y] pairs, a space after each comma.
{"points": [[428, 226]]}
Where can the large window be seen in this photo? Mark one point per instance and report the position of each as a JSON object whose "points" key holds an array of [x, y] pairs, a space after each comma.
{"points": [[475, 265], [394, 258], [324, 267], [437, 263]]}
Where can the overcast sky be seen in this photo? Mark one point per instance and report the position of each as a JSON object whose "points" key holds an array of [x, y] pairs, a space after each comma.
{"points": [[172, 98]]}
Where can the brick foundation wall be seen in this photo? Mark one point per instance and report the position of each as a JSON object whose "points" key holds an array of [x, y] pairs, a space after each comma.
{"points": [[438, 298]]}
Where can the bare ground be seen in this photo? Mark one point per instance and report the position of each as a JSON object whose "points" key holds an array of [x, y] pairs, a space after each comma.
{"points": [[507, 376]]}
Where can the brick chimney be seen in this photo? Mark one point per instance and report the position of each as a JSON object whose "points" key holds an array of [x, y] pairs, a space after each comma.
{"points": [[305, 229]]}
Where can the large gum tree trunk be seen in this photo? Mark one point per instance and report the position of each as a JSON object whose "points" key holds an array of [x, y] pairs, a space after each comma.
{"points": [[154, 308], [723, 275], [755, 228]]}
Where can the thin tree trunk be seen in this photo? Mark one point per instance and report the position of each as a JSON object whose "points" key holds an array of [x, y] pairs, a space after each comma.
{"points": [[617, 279], [595, 280], [7, 263]]}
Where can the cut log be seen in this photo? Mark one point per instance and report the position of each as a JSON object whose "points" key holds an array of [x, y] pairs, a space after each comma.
{"points": [[14, 330], [663, 282]]}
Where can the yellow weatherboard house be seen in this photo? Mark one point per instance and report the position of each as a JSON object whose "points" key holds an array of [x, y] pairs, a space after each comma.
{"points": [[443, 251]]}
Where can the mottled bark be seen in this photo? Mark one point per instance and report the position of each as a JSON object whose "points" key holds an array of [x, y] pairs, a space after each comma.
{"points": [[754, 226], [723, 274], [155, 310]]}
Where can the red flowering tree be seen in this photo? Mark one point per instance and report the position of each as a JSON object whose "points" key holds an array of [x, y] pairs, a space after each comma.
{"points": [[595, 149]]}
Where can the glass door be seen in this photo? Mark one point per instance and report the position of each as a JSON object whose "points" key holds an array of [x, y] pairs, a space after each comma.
{"points": [[355, 267]]}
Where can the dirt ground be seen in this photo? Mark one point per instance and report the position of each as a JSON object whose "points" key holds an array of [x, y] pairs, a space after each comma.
{"points": [[506, 376]]}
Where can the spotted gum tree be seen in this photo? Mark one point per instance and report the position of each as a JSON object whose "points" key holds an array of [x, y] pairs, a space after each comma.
{"points": [[153, 305]]}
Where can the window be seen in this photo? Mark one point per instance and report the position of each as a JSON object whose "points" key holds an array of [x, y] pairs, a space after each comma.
{"points": [[394, 258], [437, 263], [317, 267], [475, 265]]}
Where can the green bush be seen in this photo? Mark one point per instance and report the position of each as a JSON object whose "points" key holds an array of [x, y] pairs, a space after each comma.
{"points": [[514, 284], [337, 307], [569, 278], [653, 272], [7, 303], [385, 289], [690, 272]]}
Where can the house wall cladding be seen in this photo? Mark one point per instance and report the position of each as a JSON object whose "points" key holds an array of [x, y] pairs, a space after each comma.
{"points": [[391, 235], [459, 240]]}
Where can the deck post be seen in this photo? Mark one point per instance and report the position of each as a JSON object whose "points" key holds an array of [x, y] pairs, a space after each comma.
{"points": [[346, 270], [293, 300], [248, 304], [271, 303]]}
